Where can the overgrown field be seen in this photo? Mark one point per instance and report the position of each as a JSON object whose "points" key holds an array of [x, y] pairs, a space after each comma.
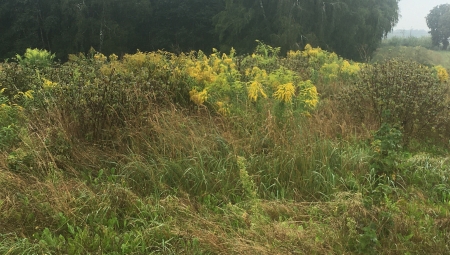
{"points": [[156, 153], [413, 53]]}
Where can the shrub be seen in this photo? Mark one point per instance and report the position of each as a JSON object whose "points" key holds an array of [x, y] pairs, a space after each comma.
{"points": [[411, 94], [16, 80], [36, 58], [100, 96], [11, 117]]}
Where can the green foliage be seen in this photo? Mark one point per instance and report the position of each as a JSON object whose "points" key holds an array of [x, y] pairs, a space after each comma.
{"points": [[158, 153], [438, 21], [418, 54], [102, 94], [36, 58], [411, 93], [353, 29], [11, 120], [386, 146], [18, 83], [68, 27]]}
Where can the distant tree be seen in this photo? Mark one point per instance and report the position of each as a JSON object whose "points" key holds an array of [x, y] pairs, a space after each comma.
{"points": [[438, 20], [352, 28]]}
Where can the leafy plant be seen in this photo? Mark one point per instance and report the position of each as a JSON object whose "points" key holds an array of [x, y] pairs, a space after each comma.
{"points": [[11, 119], [36, 58], [412, 94], [386, 147]]}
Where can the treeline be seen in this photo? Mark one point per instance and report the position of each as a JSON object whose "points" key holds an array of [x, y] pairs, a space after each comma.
{"points": [[351, 28]]}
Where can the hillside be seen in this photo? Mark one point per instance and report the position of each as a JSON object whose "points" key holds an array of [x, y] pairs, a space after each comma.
{"points": [[158, 153], [418, 53]]}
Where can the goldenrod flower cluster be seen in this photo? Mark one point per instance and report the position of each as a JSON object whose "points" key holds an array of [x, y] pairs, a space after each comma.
{"points": [[223, 108], [285, 92], [215, 78], [309, 95], [99, 57], [441, 73], [47, 84], [198, 97], [27, 94], [328, 66], [254, 89], [350, 69]]}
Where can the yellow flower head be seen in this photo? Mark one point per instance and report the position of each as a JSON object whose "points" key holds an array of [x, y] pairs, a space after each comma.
{"points": [[254, 89], [285, 92], [222, 109], [293, 54], [441, 73], [113, 57], [198, 97], [100, 57], [48, 84], [308, 94], [349, 69]]}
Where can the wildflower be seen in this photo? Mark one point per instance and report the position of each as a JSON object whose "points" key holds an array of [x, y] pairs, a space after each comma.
{"points": [[310, 51], [223, 108], [254, 89], [100, 57], [293, 54], [198, 97], [27, 94], [285, 92], [349, 69], [308, 94], [48, 84], [113, 57], [441, 73]]}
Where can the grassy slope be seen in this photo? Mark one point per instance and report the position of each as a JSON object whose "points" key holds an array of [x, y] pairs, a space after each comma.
{"points": [[419, 54], [191, 182]]}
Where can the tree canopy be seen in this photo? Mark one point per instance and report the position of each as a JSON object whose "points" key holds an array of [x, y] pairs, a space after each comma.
{"points": [[352, 28], [438, 20]]}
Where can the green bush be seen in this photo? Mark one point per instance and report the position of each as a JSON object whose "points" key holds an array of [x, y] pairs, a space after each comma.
{"points": [[36, 58], [10, 122], [411, 93], [16, 80], [100, 96]]}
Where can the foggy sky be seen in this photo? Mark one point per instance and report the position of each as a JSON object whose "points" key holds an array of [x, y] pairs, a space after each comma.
{"points": [[413, 13]]}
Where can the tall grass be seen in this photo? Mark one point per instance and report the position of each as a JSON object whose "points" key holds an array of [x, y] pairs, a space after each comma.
{"points": [[173, 177]]}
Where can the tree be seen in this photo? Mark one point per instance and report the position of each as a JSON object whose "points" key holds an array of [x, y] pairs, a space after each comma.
{"points": [[351, 28], [438, 20]]}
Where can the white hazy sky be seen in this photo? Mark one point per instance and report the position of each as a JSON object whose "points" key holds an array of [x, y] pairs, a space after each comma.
{"points": [[413, 13]]}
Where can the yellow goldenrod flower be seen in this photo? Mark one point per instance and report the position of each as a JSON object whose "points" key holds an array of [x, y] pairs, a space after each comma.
{"points": [[254, 89], [349, 69], [113, 57], [223, 109], [27, 94], [198, 97], [100, 57], [308, 94], [441, 73], [293, 54], [48, 84], [285, 92], [228, 61]]}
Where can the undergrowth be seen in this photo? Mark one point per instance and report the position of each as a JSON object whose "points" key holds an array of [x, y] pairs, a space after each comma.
{"points": [[159, 153]]}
